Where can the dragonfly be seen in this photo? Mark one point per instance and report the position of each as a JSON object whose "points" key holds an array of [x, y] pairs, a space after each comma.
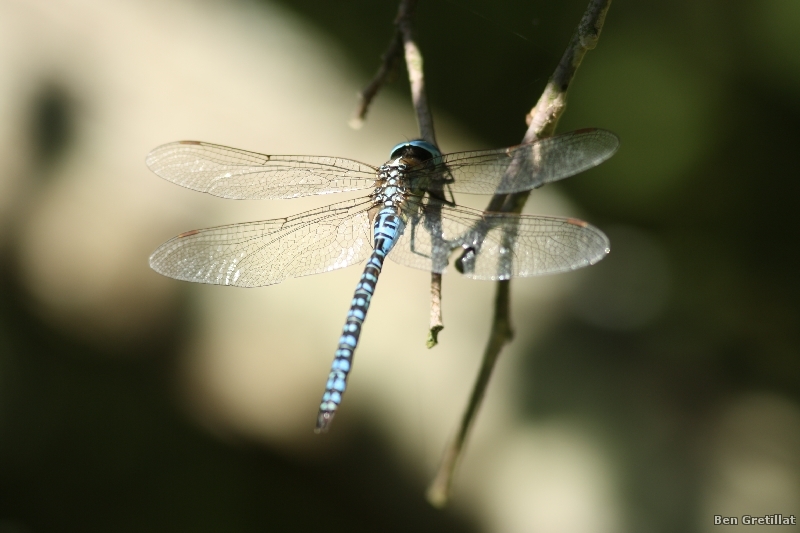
{"points": [[410, 216]]}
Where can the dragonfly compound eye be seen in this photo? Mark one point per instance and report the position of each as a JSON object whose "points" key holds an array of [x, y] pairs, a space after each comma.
{"points": [[417, 149]]}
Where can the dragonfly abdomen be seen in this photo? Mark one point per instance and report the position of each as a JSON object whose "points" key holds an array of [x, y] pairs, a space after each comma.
{"points": [[388, 227]]}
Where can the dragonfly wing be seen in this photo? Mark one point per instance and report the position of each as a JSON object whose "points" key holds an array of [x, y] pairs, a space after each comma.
{"points": [[253, 254], [493, 246], [519, 168], [243, 175]]}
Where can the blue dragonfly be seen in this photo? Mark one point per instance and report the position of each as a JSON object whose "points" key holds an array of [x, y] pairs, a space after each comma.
{"points": [[409, 216]]}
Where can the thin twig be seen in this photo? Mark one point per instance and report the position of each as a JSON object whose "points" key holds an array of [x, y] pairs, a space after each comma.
{"points": [[388, 62], [416, 76], [436, 310], [544, 116], [403, 40], [542, 122], [416, 79], [439, 490]]}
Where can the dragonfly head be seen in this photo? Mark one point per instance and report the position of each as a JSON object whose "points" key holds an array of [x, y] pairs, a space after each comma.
{"points": [[415, 150]]}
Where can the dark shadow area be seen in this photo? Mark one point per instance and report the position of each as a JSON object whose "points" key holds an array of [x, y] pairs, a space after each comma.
{"points": [[52, 123], [92, 442]]}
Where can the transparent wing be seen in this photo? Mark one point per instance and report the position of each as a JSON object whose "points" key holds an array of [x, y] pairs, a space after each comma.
{"points": [[242, 175], [252, 254], [518, 168], [496, 245]]}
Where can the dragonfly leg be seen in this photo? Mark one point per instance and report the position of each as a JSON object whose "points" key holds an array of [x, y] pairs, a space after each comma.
{"points": [[414, 242]]}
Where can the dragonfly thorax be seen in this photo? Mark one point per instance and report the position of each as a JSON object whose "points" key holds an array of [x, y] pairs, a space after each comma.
{"points": [[391, 189]]}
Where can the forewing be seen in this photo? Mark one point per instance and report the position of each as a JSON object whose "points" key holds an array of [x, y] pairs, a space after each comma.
{"points": [[243, 175], [518, 168], [252, 254], [492, 246]]}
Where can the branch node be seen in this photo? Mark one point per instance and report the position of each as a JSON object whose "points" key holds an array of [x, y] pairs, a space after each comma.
{"points": [[589, 41], [356, 122], [433, 336]]}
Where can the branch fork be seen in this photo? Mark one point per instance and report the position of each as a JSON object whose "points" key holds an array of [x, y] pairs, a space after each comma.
{"points": [[541, 122]]}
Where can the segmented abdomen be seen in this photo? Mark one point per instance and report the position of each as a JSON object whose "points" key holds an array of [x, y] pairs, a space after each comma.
{"points": [[388, 227]]}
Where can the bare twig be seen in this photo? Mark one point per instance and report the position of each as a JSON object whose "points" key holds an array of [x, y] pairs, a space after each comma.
{"points": [[416, 78], [415, 74], [544, 116], [439, 490], [403, 40], [436, 310], [542, 122], [388, 63]]}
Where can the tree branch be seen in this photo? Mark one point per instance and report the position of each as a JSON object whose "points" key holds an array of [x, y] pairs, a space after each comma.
{"points": [[436, 324], [416, 78], [403, 40], [388, 62], [542, 121]]}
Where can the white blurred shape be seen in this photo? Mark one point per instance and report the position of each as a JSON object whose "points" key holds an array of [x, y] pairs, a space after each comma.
{"points": [[140, 74], [753, 461], [549, 478]]}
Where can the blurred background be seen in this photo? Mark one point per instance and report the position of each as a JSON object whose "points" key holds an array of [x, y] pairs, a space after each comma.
{"points": [[648, 393]]}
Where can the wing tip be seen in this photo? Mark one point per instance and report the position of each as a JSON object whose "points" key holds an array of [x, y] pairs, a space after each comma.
{"points": [[153, 156], [600, 244], [156, 259], [612, 138]]}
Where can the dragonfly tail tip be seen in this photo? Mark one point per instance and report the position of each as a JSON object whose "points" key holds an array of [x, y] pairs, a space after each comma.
{"points": [[324, 419]]}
